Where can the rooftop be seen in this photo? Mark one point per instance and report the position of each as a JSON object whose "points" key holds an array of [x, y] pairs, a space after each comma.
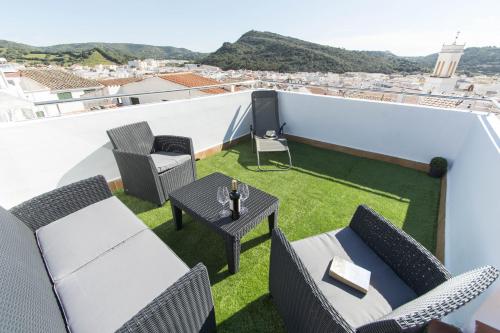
{"points": [[118, 82], [345, 152], [56, 79], [191, 80], [319, 194]]}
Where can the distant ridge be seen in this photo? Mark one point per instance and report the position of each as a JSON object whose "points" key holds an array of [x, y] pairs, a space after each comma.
{"points": [[67, 54], [256, 50]]}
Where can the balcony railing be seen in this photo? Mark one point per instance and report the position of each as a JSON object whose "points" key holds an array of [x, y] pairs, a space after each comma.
{"points": [[55, 108]]}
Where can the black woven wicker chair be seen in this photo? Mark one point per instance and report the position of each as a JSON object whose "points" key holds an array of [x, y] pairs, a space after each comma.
{"points": [[408, 287], [265, 117], [152, 166]]}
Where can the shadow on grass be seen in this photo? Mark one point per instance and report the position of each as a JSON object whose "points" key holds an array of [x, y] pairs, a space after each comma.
{"points": [[420, 191], [257, 316], [196, 243]]}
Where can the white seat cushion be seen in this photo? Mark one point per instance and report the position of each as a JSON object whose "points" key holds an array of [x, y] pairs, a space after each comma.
{"points": [[386, 292], [76, 239], [165, 161], [109, 291]]}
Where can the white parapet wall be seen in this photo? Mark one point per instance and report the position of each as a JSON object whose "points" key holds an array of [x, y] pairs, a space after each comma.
{"points": [[38, 156], [406, 131], [473, 216], [470, 141]]}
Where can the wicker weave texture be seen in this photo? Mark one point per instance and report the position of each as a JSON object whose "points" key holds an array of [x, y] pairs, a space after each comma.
{"points": [[27, 300], [133, 145], [56, 204], [297, 297], [185, 307], [413, 263], [305, 309], [199, 199]]}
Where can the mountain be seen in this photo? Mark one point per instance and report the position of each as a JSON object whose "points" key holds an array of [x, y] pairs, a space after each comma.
{"points": [[67, 54], [257, 50], [475, 60]]}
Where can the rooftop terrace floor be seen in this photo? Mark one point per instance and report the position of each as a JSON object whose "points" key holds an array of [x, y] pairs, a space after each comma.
{"points": [[319, 194]]}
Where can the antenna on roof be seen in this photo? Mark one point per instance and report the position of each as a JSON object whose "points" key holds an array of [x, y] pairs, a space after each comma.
{"points": [[456, 38]]}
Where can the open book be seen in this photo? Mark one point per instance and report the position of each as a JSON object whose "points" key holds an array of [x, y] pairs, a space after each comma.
{"points": [[350, 274]]}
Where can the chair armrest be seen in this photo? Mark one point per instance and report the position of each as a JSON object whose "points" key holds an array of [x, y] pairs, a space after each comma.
{"points": [[174, 144], [298, 299], [437, 303], [413, 263], [56, 204], [281, 128], [186, 306]]}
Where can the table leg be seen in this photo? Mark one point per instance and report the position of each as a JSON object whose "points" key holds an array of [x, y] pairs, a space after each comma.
{"points": [[177, 214], [233, 249], [272, 221]]}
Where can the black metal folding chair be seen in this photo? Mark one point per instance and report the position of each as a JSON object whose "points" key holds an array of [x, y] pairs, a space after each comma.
{"points": [[266, 118]]}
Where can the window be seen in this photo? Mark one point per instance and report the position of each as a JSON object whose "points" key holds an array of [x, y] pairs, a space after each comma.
{"points": [[134, 100], [88, 91], [64, 95], [40, 114]]}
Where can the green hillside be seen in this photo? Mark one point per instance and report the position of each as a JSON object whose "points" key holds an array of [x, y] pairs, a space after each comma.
{"points": [[257, 50], [90, 53]]}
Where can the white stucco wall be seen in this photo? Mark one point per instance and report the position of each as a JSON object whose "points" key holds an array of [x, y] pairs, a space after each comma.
{"points": [[41, 155], [473, 216], [407, 131], [156, 84]]}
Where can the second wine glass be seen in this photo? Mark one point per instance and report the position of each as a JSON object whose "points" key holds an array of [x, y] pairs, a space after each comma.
{"points": [[245, 193]]}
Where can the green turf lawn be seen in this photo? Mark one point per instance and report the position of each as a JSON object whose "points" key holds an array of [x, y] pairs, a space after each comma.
{"points": [[319, 194]]}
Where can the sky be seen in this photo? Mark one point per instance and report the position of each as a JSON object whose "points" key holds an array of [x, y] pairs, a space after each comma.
{"points": [[407, 28]]}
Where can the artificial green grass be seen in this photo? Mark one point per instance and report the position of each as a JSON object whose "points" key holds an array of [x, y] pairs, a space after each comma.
{"points": [[319, 194]]}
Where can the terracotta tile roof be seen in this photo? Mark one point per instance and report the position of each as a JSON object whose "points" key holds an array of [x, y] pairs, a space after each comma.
{"points": [[57, 79], [12, 74], [193, 80], [440, 102], [119, 82]]}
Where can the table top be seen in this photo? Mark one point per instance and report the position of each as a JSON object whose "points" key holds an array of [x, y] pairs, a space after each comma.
{"points": [[199, 199]]}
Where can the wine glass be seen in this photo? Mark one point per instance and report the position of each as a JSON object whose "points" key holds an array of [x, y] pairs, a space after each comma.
{"points": [[223, 199], [244, 193]]}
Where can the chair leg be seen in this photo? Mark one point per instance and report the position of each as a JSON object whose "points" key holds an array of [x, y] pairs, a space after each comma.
{"points": [[258, 161]]}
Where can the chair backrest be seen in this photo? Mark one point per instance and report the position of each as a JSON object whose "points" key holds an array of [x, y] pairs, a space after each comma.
{"points": [[265, 111], [134, 138], [27, 299], [410, 260]]}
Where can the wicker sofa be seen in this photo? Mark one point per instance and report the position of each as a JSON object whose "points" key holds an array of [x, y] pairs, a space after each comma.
{"points": [[76, 259], [152, 166], [408, 286]]}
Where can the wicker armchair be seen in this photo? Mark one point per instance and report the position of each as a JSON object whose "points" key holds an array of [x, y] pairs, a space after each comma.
{"points": [[408, 288], [152, 166]]}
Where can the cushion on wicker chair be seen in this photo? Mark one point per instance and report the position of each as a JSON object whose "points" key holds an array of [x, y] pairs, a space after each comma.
{"points": [[387, 291], [166, 160], [78, 238], [104, 294]]}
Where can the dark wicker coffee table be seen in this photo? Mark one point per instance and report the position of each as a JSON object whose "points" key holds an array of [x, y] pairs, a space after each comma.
{"points": [[199, 199]]}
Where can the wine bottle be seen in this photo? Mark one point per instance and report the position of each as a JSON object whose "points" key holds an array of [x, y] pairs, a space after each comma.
{"points": [[234, 201]]}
